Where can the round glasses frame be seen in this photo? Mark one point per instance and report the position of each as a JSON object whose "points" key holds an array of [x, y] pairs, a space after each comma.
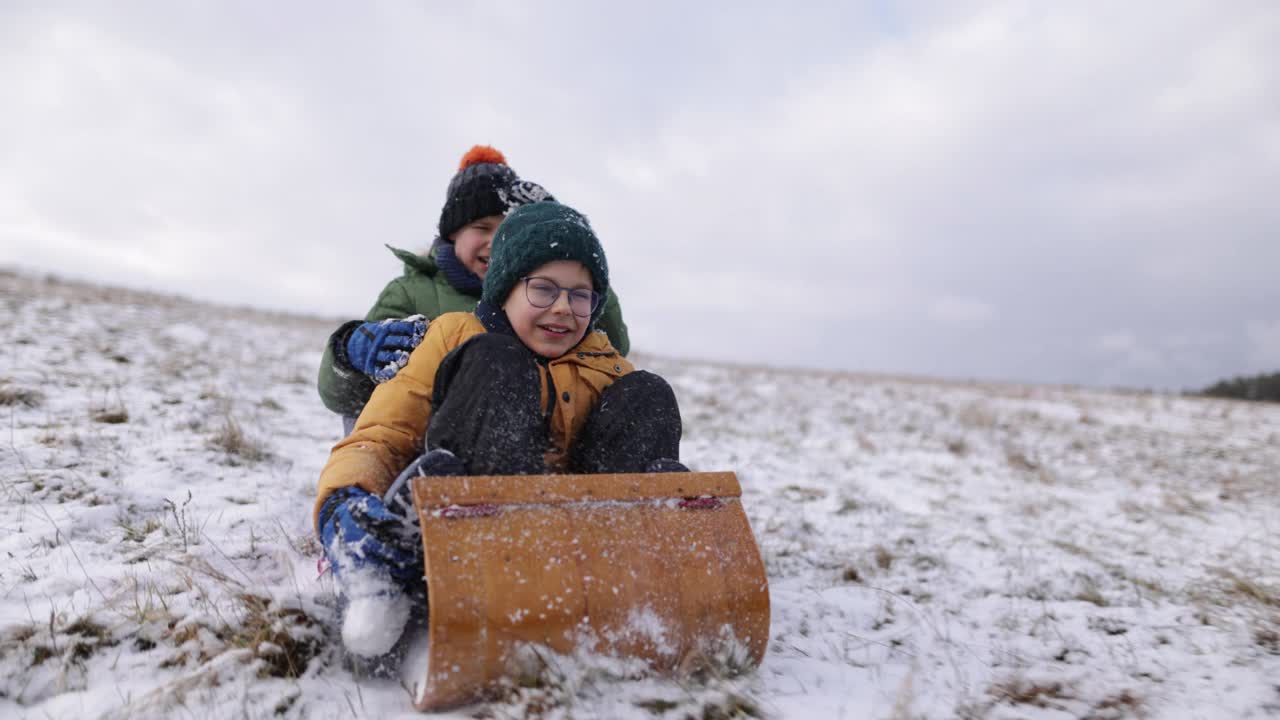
{"points": [[540, 296]]}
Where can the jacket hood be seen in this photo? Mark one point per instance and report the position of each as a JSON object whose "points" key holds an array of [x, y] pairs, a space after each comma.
{"points": [[413, 262]]}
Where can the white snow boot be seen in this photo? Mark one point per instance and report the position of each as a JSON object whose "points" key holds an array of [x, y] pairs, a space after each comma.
{"points": [[372, 624]]}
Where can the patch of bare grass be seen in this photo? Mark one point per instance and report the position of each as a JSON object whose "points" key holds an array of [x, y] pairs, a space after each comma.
{"points": [[883, 558], [1266, 634], [1181, 502], [1108, 625], [236, 445], [19, 396], [136, 533], [1018, 459], [1040, 694], [977, 415], [1123, 704], [281, 642], [1090, 591], [55, 654], [107, 410], [800, 493], [848, 505], [1234, 586], [111, 416]]}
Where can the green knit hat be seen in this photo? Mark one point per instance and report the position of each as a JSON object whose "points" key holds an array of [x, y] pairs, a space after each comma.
{"points": [[538, 233]]}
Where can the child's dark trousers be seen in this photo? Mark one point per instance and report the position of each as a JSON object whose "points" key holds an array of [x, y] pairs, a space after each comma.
{"points": [[487, 410]]}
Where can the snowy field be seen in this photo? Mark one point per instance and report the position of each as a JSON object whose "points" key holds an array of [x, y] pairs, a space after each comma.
{"points": [[935, 550]]}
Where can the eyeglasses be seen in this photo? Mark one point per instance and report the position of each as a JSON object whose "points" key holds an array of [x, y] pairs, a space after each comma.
{"points": [[544, 293]]}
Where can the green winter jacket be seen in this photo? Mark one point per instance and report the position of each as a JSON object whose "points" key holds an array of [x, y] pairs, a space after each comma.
{"points": [[421, 290]]}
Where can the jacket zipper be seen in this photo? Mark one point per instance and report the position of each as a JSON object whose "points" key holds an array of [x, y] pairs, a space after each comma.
{"points": [[551, 399]]}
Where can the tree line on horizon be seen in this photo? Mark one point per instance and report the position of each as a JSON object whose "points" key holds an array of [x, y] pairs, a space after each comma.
{"points": [[1263, 387]]}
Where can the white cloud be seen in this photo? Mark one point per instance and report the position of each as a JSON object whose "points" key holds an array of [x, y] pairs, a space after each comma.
{"points": [[1264, 346], [961, 312], [1120, 342], [1125, 347]]}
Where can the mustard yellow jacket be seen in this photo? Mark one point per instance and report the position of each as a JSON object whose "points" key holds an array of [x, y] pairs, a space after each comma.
{"points": [[390, 431]]}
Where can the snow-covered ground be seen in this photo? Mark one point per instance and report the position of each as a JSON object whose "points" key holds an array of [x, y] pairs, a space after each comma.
{"points": [[935, 550]]}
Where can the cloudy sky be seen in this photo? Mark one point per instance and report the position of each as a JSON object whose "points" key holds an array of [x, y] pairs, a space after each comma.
{"points": [[1079, 192]]}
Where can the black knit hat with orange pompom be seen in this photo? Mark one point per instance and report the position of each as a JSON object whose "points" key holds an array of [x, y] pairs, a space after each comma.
{"points": [[484, 185]]}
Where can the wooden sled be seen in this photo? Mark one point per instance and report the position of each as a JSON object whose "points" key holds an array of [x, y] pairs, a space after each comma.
{"points": [[661, 567]]}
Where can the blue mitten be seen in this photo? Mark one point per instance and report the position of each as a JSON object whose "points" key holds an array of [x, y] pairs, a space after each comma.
{"points": [[359, 532], [380, 349]]}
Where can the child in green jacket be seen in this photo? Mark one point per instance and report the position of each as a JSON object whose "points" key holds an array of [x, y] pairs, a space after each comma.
{"points": [[361, 354]]}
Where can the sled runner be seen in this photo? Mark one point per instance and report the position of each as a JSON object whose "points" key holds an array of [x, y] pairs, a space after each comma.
{"points": [[661, 567]]}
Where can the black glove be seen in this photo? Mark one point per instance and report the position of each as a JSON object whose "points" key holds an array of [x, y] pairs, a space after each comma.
{"points": [[436, 463]]}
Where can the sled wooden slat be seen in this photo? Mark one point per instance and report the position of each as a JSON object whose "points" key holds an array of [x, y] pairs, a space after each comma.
{"points": [[623, 563], [558, 489]]}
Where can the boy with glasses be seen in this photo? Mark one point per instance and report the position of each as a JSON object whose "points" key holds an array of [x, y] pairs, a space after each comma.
{"points": [[524, 385]]}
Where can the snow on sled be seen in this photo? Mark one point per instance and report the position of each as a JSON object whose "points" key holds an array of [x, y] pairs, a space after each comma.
{"points": [[661, 567]]}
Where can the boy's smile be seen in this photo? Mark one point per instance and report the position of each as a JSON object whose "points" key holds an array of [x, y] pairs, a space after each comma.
{"points": [[555, 330]]}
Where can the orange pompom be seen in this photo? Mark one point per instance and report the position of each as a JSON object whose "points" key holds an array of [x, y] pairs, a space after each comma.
{"points": [[482, 154]]}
